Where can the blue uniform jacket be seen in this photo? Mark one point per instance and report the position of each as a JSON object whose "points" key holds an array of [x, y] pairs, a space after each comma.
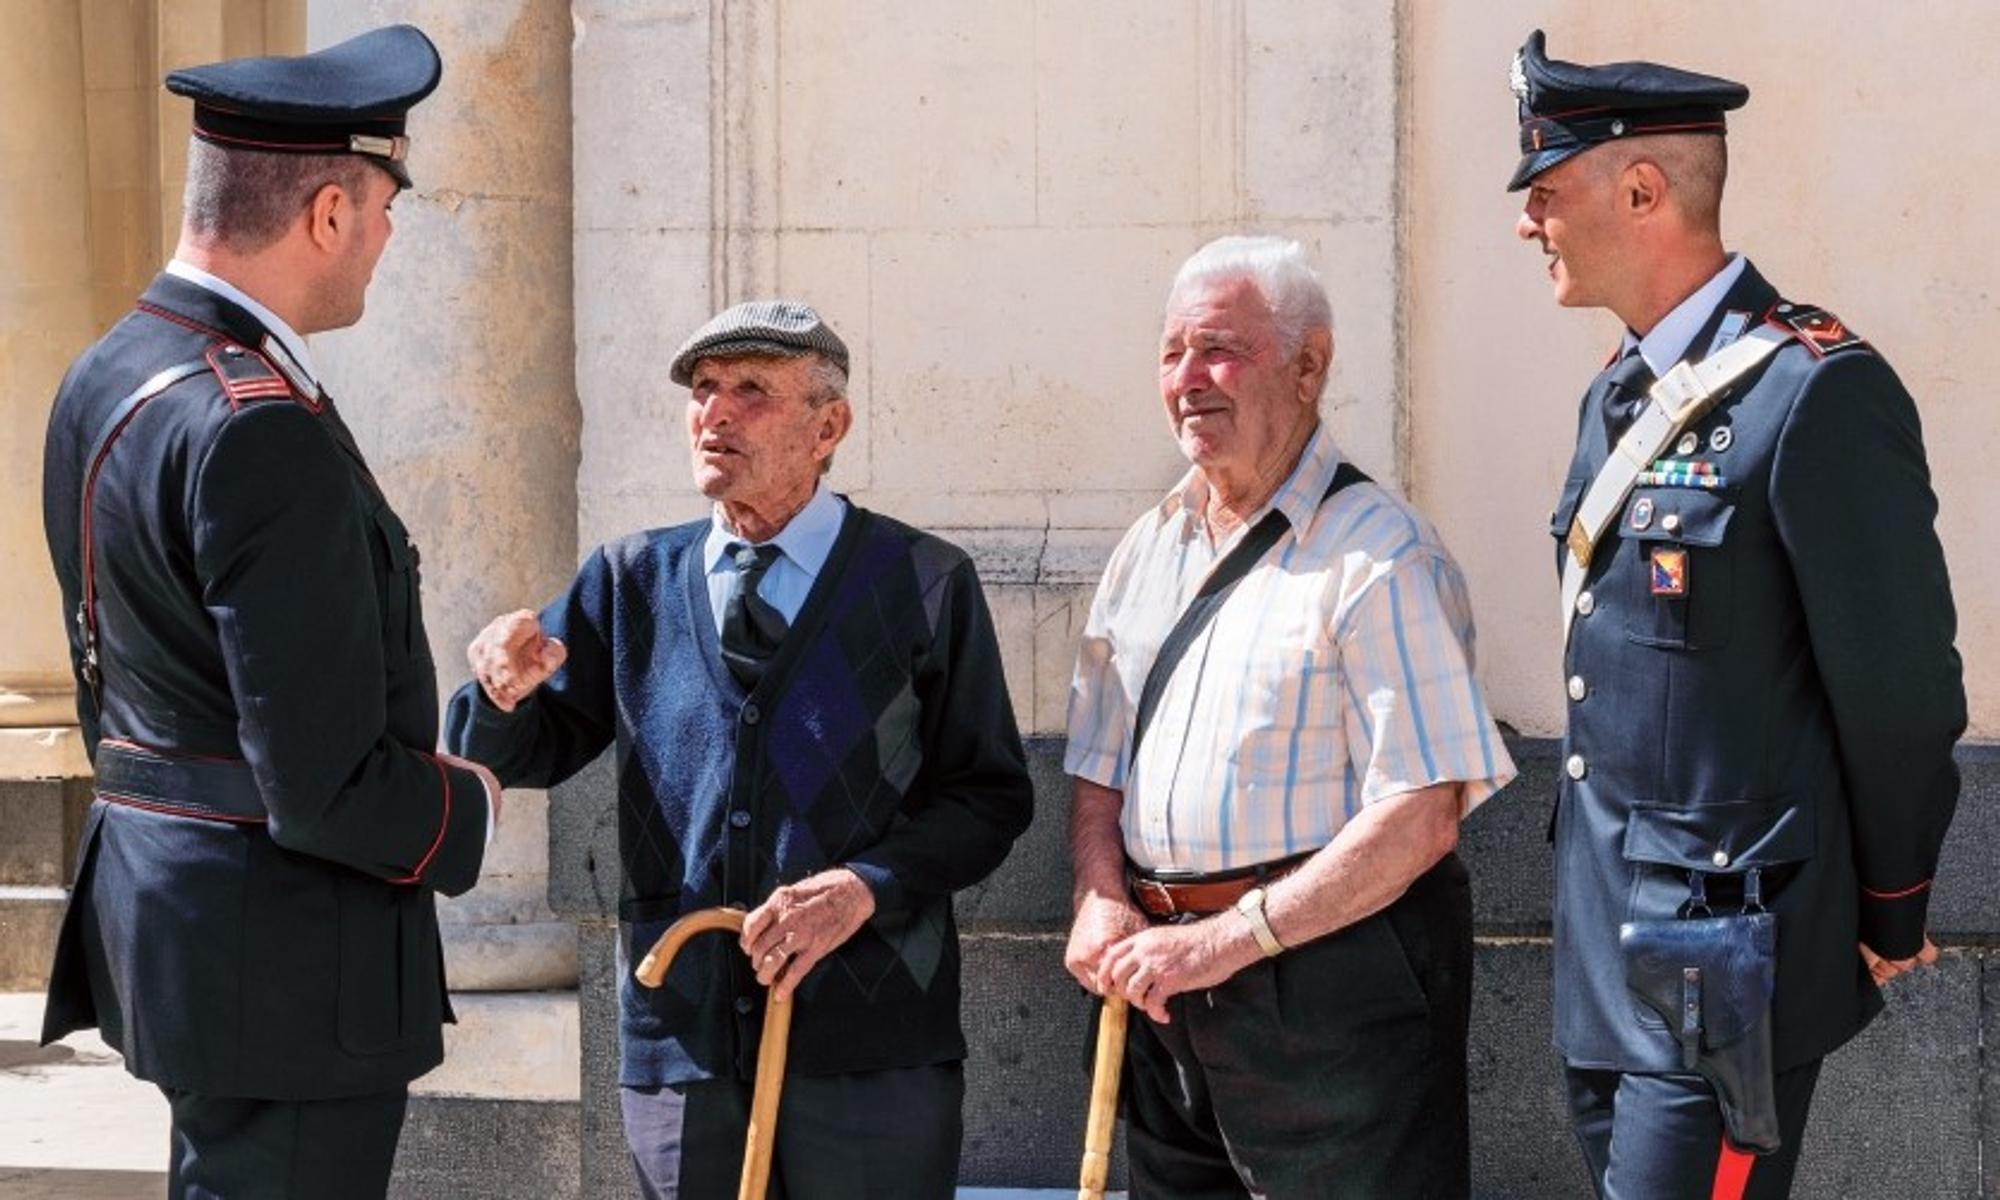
{"points": [[1761, 675], [259, 624]]}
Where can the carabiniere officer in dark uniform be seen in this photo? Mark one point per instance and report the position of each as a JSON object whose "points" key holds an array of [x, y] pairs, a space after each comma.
{"points": [[253, 922], [1763, 692]]}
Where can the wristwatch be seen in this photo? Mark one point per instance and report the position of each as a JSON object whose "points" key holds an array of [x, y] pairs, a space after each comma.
{"points": [[1251, 905]]}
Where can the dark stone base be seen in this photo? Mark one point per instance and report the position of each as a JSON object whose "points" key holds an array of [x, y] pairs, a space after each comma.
{"points": [[479, 1147]]}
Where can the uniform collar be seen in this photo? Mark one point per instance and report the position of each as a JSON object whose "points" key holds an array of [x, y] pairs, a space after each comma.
{"points": [[1670, 340], [283, 345], [1298, 497], [807, 539]]}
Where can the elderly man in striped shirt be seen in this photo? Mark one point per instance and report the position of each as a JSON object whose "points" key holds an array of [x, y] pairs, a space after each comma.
{"points": [[1269, 778]]}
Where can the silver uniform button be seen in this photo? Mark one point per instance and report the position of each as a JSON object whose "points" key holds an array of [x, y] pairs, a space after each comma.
{"points": [[1720, 858], [1576, 767], [1585, 604], [1671, 522], [1576, 689], [1720, 439], [1688, 444]]}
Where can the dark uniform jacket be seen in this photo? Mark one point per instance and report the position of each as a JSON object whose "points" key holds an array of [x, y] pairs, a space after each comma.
{"points": [[253, 912], [1789, 702]]}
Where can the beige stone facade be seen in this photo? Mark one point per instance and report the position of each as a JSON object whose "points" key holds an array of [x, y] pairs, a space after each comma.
{"points": [[987, 198]]}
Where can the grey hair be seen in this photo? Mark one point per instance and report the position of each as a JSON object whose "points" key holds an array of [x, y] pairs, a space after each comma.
{"points": [[1280, 270], [829, 383], [828, 379], [246, 199]]}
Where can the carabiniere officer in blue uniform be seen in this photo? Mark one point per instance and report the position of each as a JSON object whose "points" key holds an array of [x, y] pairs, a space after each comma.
{"points": [[1763, 691], [253, 922]]}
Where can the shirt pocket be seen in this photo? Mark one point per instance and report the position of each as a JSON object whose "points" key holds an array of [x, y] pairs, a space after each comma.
{"points": [[1682, 582]]}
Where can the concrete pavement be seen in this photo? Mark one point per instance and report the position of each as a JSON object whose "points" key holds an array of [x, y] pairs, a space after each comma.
{"points": [[75, 1126]]}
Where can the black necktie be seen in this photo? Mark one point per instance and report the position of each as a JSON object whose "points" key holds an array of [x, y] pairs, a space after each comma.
{"points": [[1626, 393], [751, 627]]}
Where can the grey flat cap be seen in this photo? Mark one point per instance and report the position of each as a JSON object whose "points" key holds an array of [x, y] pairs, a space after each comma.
{"points": [[785, 328]]}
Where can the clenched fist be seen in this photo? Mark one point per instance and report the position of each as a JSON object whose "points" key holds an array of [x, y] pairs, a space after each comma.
{"points": [[512, 657]]}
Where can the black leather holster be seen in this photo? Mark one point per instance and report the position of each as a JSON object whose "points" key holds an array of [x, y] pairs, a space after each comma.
{"points": [[1712, 978]]}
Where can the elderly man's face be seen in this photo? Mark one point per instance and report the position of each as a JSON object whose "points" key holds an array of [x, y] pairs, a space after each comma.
{"points": [[755, 438], [1231, 393]]}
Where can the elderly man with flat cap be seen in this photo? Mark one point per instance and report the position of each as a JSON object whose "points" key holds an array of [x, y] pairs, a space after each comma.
{"points": [[253, 922], [1763, 691], [811, 723]]}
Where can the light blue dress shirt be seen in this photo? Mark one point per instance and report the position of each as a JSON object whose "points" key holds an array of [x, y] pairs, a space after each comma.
{"points": [[804, 544], [1670, 340]]}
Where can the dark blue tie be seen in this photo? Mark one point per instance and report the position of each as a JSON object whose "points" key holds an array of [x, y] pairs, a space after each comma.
{"points": [[1626, 393], [751, 627]]}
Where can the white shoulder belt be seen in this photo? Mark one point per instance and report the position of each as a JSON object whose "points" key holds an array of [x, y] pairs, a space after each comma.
{"points": [[1677, 401]]}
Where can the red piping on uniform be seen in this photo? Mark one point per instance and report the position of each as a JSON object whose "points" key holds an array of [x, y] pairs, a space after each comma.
{"points": [[1569, 112], [1680, 128], [1872, 894], [444, 822], [303, 147], [173, 811], [89, 511], [1732, 1173], [184, 322]]}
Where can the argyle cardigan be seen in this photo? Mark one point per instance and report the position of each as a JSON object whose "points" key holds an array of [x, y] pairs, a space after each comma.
{"points": [[881, 738]]}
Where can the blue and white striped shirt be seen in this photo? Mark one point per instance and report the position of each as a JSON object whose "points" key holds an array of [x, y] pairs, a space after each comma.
{"points": [[1339, 673]]}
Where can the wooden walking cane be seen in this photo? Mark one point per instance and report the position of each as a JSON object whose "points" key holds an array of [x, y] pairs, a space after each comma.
{"points": [[1097, 1127], [770, 1046]]}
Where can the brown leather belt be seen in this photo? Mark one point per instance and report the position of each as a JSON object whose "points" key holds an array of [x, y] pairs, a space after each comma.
{"points": [[1162, 894]]}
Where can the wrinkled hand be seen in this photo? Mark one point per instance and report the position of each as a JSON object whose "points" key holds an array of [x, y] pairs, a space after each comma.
{"points": [[512, 657], [1101, 923], [1885, 969], [787, 935], [1157, 964], [486, 779]]}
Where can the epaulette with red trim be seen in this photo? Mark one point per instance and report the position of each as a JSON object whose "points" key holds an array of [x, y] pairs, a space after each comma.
{"points": [[246, 375], [1818, 330]]}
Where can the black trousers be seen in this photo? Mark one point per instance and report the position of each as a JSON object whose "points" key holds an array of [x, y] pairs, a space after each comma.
{"points": [[226, 1148], [874, 1135], [1659, 1137], [1336, 1069]]}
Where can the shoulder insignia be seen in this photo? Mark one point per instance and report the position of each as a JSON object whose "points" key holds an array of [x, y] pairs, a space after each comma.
{"points": [[1817, 329], [246, 375]]}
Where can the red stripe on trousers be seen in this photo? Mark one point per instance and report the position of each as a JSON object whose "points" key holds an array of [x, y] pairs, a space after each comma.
{"points": [[1732, 1173]]}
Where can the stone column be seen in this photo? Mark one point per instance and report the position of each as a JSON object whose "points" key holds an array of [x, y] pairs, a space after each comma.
{"points": [[459, 382], [45, 319]]}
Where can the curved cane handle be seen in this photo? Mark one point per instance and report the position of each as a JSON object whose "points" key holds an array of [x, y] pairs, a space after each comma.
{"points": [[653, 968]]}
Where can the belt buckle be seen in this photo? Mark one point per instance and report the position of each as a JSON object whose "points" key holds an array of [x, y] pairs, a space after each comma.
{"points": [[1154, 890]]}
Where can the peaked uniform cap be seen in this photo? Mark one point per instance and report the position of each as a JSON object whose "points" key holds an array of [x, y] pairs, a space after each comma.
{"points": [[1566, 108], [350, 98]]}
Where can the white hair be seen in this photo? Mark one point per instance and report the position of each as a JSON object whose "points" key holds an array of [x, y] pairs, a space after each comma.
{"points": [[1282, 274]]}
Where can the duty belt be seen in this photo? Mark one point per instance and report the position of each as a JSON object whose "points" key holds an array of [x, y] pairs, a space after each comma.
{"points": [[210, 789]]}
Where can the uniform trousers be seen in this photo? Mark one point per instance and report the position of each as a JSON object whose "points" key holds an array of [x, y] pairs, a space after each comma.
{"points": [[871, 1135], [228, 1148], [1335, 1069], [1659, 1137]]}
